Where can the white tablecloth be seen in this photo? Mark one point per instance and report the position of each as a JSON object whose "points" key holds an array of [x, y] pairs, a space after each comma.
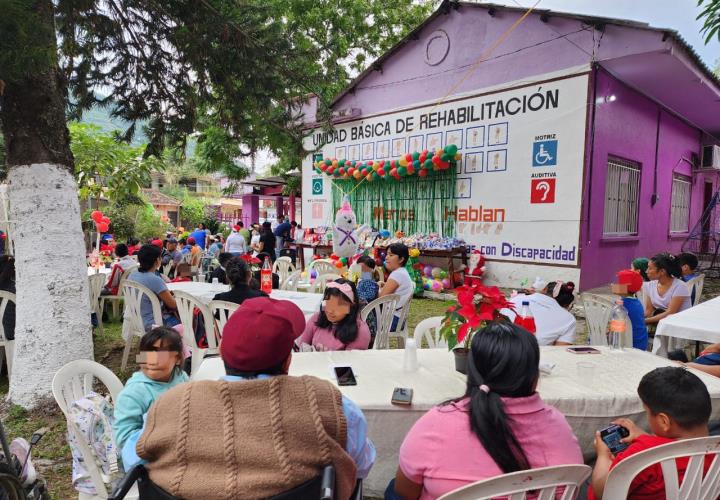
{"points": [[701, 322], [103, 270], [587, 404], [309, 303]]}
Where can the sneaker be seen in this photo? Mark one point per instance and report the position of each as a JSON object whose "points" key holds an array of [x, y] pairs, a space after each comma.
{"points": [[21, 448]]}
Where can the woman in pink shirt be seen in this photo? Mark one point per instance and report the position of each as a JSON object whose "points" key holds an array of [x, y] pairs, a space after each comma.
{"points": [[337, 326], [510, 428]]}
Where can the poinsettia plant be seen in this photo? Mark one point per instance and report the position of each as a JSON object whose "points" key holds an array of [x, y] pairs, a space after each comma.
{"points": [[475, 306], [252, 262]]}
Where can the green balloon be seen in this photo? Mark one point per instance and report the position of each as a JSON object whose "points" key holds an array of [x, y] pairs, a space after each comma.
{"points": [[328, 162], [451, 149], [416, 164], [415, 155], [428, 163], [445, 157], [402, 171]]}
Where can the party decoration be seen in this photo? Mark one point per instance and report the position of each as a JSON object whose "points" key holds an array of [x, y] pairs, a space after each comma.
{"points": [[475, 270], [408, 165], [345, 232]]}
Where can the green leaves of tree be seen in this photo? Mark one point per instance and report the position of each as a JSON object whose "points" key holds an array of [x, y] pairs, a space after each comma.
{"points": [[711, 14]]}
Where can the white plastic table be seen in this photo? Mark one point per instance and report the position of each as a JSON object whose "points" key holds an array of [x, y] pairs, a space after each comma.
{"points": [[309, 303], [588, 405], [701, 322], [102, 270]]}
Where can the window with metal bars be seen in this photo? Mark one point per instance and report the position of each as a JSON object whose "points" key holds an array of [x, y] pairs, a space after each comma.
{"points": [[680, 204], [622, 193]]}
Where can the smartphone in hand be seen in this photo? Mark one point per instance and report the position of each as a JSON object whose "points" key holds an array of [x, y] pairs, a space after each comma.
{"points": [[611, 436]]}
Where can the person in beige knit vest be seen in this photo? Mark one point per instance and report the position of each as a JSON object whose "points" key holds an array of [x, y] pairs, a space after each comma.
{"points": [[257, 432]]}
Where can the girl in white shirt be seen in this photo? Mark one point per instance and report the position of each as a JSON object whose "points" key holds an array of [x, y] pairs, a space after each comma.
{"points": [[665, 293]]}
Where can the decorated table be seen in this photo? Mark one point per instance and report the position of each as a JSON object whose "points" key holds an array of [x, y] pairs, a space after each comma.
{"points": [[309, 303], [587, 403], [700, 323]]}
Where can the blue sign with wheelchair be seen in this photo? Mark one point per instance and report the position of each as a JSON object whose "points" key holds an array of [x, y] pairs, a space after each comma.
{"points": [[544, 153]]}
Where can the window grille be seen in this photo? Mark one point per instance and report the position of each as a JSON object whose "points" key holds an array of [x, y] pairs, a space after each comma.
{"points": [[622, 192], [680, 205]]}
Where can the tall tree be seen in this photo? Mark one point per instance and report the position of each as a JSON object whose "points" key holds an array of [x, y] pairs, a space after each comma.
{"points": [[236, 65], [710, 14]]}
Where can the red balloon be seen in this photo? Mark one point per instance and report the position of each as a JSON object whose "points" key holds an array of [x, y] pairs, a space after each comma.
{"points": [[350, 171], [436, 160], [96, 215], [422, 172], [393, 171], [323, 167], [397, 177], [341, 170], [371, 163], [410, 169], [102, 227], [392, 163], [409, 158], [106, 220], [381, 172], [347, 163], [424, 153]]}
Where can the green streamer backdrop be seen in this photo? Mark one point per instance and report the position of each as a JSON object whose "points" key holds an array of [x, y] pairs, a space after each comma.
{"points": [[388, 204]]}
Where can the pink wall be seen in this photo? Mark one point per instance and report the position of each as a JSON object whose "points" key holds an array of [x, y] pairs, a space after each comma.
{"points": [[627, 128]]}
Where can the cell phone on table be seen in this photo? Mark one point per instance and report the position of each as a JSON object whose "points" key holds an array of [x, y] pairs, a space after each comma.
{"points": [[611, 436], [345, 375], [402, 396], [583, 350]]}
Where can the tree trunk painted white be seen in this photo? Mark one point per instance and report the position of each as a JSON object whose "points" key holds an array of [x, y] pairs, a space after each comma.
{"points": [[53, 305]]}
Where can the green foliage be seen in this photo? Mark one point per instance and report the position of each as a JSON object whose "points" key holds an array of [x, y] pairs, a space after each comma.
{"points": [[710, 14], [148, 224], [105, 166], [217, 151], [192, 211]]}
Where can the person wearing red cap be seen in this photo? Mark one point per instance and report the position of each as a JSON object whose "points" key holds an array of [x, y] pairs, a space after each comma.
{"points": [[158, 243], [257, 430], [629, 283], [235, 243]]}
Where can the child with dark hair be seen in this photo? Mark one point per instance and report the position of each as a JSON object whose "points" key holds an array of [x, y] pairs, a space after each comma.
{"points": [[688, 268], [238, 277], [220, 272], [160, 360], [367, 287], [337, 326], [549, 306], [677, 406], [500, 425], [665, 293]]}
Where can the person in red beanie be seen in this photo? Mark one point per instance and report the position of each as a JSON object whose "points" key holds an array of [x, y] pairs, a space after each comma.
{"points": [[257, 430], [629, 283]]}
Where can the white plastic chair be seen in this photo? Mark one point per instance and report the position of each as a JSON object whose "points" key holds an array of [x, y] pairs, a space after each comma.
{"points": [[186, 305], [597, 314], [542, 482], [384, 308], [291, 281], [7, 345], [96, 282], [694, 485], [321, 282], [71, 383], [697, 284], [402, 332], [116, 299], [221, 310], [283, 266], [133, 325], [322, 266], [429, 329]]}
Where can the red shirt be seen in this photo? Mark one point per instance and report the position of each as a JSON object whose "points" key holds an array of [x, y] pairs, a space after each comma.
{"points": [[650, 484]]}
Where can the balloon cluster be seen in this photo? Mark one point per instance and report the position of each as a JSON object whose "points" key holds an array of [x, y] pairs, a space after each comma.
{"points": [[102, 223], [420, 164], [435, 279]]}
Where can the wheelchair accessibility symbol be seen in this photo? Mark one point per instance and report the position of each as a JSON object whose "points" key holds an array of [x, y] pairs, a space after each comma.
{"points": [[545, 153]]}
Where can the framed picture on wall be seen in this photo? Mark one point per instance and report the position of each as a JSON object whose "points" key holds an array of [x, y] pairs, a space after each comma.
{"points": [[474, 162], [353, 152], [368, 150], [398, 146], [475, 137], [434, 141], [416, 143], [454, 137], [340, 152], [382, 149]]}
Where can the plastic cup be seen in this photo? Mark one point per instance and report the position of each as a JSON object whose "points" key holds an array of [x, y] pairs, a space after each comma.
{"points": [[215, 281]]}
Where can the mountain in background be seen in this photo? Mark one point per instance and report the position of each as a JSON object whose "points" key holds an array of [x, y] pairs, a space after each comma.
{"points": [[101, 117]]}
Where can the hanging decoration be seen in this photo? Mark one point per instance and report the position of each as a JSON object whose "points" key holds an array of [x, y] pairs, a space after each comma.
{"points": [[420, 164]]}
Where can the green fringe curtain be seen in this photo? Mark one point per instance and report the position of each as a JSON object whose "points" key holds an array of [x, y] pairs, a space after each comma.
{"points": [[412, 205]]}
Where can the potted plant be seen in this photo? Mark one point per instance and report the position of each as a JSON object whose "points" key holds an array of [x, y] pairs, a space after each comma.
{"points": [[476, 305]]}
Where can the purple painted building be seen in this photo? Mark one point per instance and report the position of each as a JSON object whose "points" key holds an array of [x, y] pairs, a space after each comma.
{"points": [[582, 137]]}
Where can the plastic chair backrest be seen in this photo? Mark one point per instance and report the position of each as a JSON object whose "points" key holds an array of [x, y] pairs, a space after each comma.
{"points": [[124, 276], [542, 482], [429, 330], [283, 266], [322, 281], [697, 284], [134, 293], [73, 382], [384, 308], [186, 305], [597, 314], [96, 281], [167, 267], [291, 282], [694, 486], [5, 298], [221, 310], [322, 266]]}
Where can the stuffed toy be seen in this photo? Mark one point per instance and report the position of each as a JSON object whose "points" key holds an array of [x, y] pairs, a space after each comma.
{"points": [[475, 270]]}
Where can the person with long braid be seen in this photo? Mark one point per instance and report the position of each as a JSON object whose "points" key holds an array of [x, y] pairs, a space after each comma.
{"points": [[510, 428]]}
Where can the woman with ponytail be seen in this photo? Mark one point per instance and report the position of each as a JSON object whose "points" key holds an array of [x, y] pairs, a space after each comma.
{"points": [[499, 426], [665, 293]]}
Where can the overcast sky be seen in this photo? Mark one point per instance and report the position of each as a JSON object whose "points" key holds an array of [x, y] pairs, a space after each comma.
{"points": [[675, 14]]}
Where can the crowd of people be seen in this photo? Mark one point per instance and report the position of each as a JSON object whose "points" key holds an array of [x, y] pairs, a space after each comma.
{"points": [[490, 430]]}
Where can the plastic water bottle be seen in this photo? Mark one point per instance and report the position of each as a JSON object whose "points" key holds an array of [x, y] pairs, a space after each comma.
{"points": [[266, 277], [410, 361], [525, 318], [617, 327]]}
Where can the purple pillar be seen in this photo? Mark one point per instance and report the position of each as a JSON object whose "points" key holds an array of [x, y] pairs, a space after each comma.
{"points": [[292, 207], [279, 207], [250, 209]]}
